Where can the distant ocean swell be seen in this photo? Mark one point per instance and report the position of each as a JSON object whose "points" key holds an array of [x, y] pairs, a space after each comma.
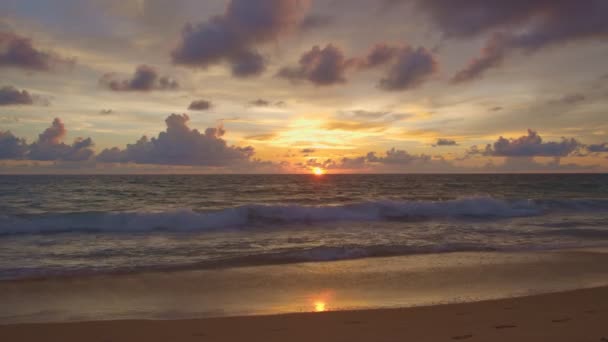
{"points": [[279, 215]]}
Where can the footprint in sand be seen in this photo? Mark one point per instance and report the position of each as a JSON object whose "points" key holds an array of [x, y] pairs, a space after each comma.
{"points": [[462, 337]]}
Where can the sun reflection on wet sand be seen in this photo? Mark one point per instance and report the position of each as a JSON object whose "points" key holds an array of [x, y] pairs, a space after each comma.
{"points": [[320, 300]]}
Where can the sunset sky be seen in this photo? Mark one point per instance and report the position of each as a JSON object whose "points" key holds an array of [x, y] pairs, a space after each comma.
{"points": [[292, 85]]}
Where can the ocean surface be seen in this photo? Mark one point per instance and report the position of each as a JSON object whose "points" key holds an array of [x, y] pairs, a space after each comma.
{"points": [[57, 226]]}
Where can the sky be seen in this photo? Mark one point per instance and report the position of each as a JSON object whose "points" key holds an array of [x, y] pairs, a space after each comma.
{"points": [[287, 86]]}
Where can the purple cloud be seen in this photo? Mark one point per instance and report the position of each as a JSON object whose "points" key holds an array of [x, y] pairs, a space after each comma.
{"points": [[200, 105], [145, 78], [321, 67], [12, 147], [181, 145], [233, 36], [12, 96], [18, 52], [49, 146], [530, 145]]}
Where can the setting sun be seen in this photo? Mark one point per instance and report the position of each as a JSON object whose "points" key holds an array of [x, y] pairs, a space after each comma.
{"points": [[320, 306], [317, 171]]}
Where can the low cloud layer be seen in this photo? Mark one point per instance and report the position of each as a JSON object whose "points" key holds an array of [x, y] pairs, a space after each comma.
{"points": [[145, 78], [19, 52], [233, 37], [530, 145], [12, 147], [48, 147], [181, 145]]}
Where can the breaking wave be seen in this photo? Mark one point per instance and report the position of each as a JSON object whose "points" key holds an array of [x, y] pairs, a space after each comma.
{"points": [[187, 220]]}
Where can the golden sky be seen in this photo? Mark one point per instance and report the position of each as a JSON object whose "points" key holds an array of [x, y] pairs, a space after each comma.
{"points": [[293, 85]]}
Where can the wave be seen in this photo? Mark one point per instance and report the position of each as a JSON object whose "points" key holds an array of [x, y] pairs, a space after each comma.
{"points": [[188, 220]]}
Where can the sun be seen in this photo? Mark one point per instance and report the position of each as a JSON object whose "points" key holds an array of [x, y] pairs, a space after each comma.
{"points": [[317, 171], [320, 306]]}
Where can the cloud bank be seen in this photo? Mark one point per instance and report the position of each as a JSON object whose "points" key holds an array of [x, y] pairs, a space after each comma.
{"points": [[48, 147], [181, 145]]}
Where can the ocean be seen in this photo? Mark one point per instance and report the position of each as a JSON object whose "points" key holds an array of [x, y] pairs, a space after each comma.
{"points": [[63, 226]]}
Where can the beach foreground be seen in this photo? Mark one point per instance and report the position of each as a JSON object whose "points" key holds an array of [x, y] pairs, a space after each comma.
{"points": [[579, 315]]}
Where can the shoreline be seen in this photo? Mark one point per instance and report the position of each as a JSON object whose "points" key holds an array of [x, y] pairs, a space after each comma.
{"points": [[372, 283], [578, 315]]}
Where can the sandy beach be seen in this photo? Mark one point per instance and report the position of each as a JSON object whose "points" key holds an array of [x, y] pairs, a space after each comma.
{"points": [[579, 315]]}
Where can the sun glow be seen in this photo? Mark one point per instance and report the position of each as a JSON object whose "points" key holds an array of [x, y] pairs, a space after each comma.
{"points": [[317, 171], [320, 306]]}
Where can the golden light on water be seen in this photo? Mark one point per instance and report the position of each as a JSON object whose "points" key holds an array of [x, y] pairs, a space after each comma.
{"points": [[320, 306], [317, 171]]}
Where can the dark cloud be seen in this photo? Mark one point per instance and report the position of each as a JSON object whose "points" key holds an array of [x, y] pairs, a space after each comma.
{"points": [[200, 105], [181, 145], [492, 55], [12, 147], [260, 103], [18, 52], [445, 142], [597, 148], [50, 146], [233, 36], [411, 69], [266, 103], [12, 96], [145, 78], [407, 67], [321, 67], [380, 54], [524, 25], [530, 145], [308, 150], [248, 64]]}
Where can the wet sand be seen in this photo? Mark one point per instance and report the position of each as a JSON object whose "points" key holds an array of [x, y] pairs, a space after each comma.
{"points": [[579, 315]]}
